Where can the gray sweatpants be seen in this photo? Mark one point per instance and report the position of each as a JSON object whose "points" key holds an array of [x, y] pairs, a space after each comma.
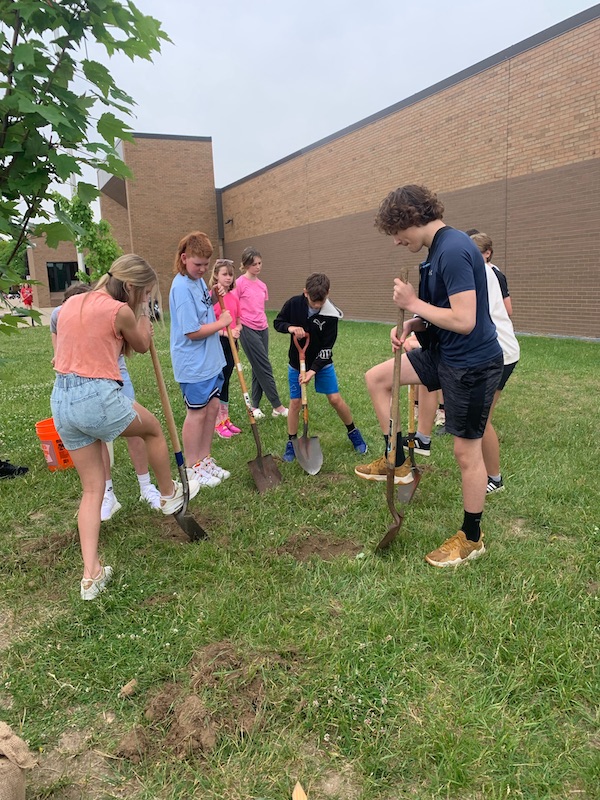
{"points": [[256, 347]]}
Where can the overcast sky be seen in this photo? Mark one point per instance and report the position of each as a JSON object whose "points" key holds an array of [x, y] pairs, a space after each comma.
{"points": [[269, 77]]}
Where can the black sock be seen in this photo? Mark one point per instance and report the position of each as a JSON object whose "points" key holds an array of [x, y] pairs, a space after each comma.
{"points": [[472, 526], [399, 450], [441, 407], [351, 427], [292, 436]]}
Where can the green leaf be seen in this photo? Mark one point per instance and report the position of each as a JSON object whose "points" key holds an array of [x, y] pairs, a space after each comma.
{"points": [[55, 232], [86, 192], [98, 75], [111, 128], [24, 53]]}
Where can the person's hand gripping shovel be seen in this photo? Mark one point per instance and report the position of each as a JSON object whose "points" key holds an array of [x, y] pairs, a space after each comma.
{"points": [[183, 518], [306, 448], [390, 455], [263, 468]]}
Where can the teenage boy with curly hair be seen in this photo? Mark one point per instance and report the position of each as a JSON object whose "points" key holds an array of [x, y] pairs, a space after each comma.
{"points": [[461, 356]]}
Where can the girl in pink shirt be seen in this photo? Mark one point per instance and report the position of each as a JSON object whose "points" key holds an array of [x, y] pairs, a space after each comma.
{"points": [[254, 336], [223, 275]]}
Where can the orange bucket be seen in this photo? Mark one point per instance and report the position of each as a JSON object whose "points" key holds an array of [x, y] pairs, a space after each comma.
{"points": [[56, 454]]}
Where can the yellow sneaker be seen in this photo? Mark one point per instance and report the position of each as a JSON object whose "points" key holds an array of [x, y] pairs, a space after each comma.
{"points": [[455, 551], [377, 471]]}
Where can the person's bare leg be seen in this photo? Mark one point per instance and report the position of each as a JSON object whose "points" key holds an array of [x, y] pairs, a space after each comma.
{"points": [[469, 456], [138, 454], [106, 461], [342, 408], [293, 418], [428, 403], [146, 426], [198, 431], [490, 444], [89, 466], [379, 381]]}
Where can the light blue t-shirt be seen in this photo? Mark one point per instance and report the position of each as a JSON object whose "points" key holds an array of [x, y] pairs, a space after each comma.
{"points": [[190, 306]]}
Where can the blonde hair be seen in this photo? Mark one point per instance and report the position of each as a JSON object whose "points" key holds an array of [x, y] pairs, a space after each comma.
{"points": [[217, 267], [248, 256], [128, 280], [195, 244], [483, 242]]}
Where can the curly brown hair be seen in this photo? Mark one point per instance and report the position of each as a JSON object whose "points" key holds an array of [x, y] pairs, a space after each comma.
{"points": [[407, 206]]}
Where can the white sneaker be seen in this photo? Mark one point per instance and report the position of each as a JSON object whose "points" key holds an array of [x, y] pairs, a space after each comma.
{"points": [[204, 479], [91, 587], [151, 495], [110, 506], [210, 466], [171, 505], [257, 413], [282, 413]]}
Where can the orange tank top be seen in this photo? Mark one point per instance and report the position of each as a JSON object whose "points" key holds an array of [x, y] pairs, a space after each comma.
{"points": [[87, 343]]}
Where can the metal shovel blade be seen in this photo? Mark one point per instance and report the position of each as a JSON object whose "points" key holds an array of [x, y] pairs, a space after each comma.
{"points": [[406, 491], [183, 518], [309, 455], [264, 472]]}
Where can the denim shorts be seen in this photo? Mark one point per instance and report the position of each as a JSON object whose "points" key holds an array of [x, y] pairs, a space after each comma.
{"points": [[468, 391], [87, 409], [325, 381], [127, 384], [198, 395]]}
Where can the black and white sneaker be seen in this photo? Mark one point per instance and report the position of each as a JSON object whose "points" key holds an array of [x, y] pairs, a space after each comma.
{"points": [[8, 470], [421, 448], [494, 486]]}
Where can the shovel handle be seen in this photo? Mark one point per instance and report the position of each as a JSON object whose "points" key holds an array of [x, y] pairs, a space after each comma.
{"points": [[166, 405], [395, 400], [238, 365], [302, 354]]}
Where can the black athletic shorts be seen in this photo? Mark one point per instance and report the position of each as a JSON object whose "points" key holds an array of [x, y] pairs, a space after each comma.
{"points": [[468, 391], [506, 373]]}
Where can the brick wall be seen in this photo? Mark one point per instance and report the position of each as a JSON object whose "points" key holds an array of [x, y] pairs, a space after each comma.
{"points": [[512, 149], [172, 193]]}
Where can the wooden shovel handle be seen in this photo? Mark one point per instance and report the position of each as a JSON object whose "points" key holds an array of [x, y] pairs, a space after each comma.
{"points": [[238, 366], [164, 400]]}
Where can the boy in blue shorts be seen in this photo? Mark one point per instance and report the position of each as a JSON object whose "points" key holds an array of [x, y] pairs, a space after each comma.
{"points": [[314, 314], [461, 355], [197, 355]]}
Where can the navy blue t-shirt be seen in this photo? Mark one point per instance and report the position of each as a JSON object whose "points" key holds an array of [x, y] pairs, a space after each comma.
{"points": [[455, 265]]}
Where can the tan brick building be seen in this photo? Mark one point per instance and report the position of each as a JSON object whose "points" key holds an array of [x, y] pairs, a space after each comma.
{"points": [[512, 146]]}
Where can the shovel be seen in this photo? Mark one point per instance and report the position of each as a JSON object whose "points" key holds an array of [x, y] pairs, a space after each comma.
{"points": [[307, 449], [390, 455], [182, 517], [263, 468], [406, 490]]}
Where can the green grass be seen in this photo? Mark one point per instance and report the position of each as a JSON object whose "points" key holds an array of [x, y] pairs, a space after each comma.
{"points": [[366, 677]]}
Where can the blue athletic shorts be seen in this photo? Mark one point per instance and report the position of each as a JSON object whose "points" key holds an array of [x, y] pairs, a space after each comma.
{"points": [[468, 391], [198, 395], [87, 409], [325, 381]]}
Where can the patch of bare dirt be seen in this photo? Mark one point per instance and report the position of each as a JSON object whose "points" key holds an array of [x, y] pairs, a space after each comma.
{"points": [[48, 551], [518, 527], [170, 530], [226, 697], [592, 588], [342, 785], [303, 547], [72, 771]]}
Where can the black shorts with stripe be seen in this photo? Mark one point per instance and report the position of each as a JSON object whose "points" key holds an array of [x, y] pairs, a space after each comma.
{"points": [[468, 391]]}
